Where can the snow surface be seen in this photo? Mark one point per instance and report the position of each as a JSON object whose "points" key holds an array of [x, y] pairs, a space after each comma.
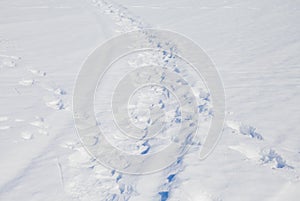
{"points": [[255, 46]]}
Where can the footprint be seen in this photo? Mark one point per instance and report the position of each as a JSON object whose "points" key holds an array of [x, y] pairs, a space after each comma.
{"points": [[56, 104], [69, 145], [243, 129], [270, 156], [37, 72], [26, 82], [27, 135], [56, 91], [40, 122], [263, 156], [60, 91], [8, 61], [41, 125]]}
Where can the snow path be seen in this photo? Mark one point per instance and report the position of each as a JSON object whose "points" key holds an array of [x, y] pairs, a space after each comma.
{"points": [[126, 183], [262, 153], [128, 22]]}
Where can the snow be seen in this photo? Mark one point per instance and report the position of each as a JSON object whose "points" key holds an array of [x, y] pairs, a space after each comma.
{"points": [[254, 45]]}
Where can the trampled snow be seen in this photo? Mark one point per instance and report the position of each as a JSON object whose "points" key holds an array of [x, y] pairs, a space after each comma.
{"points": [[255, 47]]}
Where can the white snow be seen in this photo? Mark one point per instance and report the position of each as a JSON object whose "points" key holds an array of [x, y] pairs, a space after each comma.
{"points": [[255, 46]]}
